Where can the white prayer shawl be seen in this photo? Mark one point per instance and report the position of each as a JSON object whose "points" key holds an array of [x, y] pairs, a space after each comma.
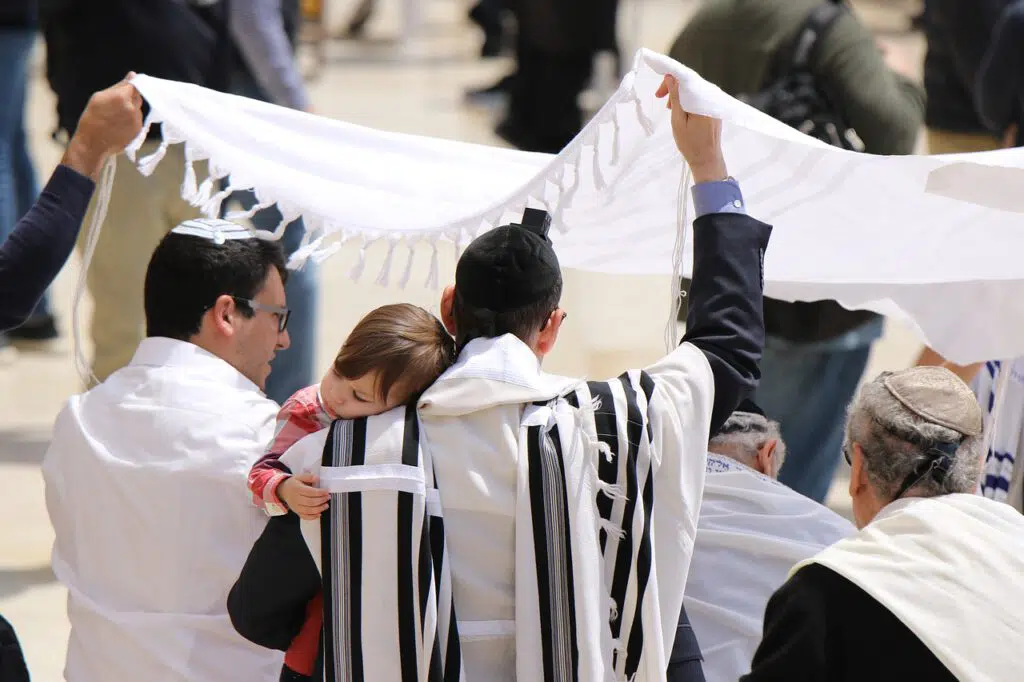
{"points": [[752, 531], [847, 226], [1003, 478], [949, 568], [146, 490], [593, 584]]}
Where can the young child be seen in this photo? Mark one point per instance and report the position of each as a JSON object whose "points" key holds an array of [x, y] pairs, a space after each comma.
{"points": [[391, 356]]}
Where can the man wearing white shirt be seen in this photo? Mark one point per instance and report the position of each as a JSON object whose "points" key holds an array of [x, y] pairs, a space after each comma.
{"points": [[145, 477], [751, 531]]}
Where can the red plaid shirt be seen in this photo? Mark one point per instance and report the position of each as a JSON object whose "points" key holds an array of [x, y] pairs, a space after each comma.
{"points": [[302, 414]]}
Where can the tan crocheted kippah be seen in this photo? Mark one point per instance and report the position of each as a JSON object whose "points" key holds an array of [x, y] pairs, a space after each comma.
{"points": [[938, 395]]}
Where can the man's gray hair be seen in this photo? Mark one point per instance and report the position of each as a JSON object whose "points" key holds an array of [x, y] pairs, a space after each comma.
{"points": [[896, 441], [743, 434]]}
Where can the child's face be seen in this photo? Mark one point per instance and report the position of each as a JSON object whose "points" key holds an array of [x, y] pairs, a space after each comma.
{"points": [[354, 398]]}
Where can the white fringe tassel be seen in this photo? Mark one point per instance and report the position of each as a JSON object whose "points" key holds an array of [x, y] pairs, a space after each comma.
{"points": [[682, 228], [92, 237]]}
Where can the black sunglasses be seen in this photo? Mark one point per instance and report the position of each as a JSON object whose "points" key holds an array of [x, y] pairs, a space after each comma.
{"points": [[846, 454]]}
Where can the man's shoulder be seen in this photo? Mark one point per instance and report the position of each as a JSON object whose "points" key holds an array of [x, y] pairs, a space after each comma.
{"points": [[192, 398]]}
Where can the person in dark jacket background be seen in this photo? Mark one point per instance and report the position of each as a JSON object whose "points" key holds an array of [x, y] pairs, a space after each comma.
{"points": [[19, 186], [90, 45], [957, 34], [999, 90], [815, 353]]}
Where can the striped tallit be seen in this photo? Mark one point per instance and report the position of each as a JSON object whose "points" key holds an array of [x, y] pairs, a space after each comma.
{"points": [[586, 594], [388, 611]]}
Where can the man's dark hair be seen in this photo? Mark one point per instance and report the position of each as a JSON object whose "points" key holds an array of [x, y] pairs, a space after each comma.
{"points": [[186, 274], [523, 322]]}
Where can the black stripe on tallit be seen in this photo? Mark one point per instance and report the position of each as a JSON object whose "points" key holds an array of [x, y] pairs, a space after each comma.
{"points": [[355, 554], [624, 555], [647, 386], [329, 641], [453, 657], [635, 644], [538, 507], [573, 400], [436, 526], [435, 672], [607, 433], [408, 651], [574, 652], [558, 640]]}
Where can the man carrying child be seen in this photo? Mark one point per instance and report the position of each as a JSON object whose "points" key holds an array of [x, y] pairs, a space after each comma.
{"points": [[513, 524]]}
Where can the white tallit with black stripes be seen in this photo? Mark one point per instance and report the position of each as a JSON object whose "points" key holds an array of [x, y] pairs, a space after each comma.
{"points": [[518, 526]]}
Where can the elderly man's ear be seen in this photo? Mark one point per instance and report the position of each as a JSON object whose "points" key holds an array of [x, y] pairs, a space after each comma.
{"points": [[766, 458]]}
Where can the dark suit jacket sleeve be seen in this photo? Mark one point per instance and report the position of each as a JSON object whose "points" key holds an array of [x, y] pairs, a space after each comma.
{"points": [[725, 319], [40, 244], [267, 603], [794, 642]]}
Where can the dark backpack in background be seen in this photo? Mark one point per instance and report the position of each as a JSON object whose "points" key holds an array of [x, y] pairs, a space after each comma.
{"points": [[796, 99]]}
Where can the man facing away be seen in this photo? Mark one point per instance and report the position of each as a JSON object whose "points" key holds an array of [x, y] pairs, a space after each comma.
{"points": [[815, 353], [751, 532], [145, 477], [564, 512], [929, 588]]}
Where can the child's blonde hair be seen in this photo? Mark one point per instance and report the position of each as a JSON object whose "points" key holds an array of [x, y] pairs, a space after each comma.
{"points": [[407, 347]]}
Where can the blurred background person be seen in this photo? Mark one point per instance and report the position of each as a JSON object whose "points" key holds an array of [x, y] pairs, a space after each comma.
{"points": [[815, 353], [999, 89], [90, 45], [556, 43], [265, 34], [957, 34], [18, 184]]}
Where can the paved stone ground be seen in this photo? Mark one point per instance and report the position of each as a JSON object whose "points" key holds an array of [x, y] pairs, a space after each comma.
{"points": [[375, 83]]}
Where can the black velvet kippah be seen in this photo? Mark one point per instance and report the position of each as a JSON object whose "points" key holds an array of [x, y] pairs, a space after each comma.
{"points": [[510, 267]]}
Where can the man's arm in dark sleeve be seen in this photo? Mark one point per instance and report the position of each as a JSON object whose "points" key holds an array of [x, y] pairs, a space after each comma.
{"points": [[1000, 80], [793, 644], [40, 244], [267, 603], [725, 319]]}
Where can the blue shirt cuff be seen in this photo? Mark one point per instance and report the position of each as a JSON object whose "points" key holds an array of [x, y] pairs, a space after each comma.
{"points": [[721, 196]]}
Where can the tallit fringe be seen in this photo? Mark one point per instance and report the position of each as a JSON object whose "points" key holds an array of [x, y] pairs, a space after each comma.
{"points": [[676, 293], [206, 195]]}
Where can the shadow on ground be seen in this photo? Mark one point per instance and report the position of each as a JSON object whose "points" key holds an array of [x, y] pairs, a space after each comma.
{"points": [[23, 446], [16, 580]]}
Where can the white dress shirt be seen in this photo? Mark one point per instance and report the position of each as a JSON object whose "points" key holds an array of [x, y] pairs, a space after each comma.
{"points": [[146, 490]]}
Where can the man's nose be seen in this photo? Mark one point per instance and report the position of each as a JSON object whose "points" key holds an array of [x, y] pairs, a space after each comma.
{"points": [[283, 340]]}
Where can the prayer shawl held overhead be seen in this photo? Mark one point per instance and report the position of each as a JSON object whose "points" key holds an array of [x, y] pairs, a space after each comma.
{"points": [[927, 239], [544, 524]]}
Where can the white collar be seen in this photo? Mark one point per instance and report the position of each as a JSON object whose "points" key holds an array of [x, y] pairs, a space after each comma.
{"points": [[160, 351], [491, 372]]}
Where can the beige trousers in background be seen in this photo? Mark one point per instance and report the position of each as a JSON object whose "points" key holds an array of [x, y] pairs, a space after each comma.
{"points": [[944, 142], [141, 211]]}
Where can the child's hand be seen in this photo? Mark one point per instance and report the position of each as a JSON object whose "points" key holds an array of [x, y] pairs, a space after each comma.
{"points": [[299, 493]]}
